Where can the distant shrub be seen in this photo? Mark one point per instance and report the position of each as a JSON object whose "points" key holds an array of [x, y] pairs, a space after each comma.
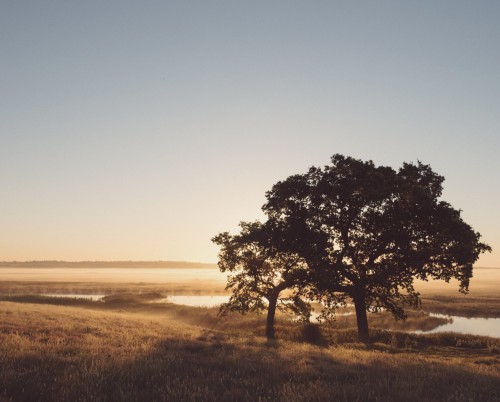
{"points": [[494, 346], [472, 343]]}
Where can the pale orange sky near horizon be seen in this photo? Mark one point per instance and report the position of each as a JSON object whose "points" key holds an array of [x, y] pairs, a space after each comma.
{"points": [[139, 131]]}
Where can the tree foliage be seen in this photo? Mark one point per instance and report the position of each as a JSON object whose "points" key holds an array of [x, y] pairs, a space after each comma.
{"points": [[368, 232], [260, 276], [348, 230]]}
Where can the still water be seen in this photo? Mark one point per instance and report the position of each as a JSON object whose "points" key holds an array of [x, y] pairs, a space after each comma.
{"points": [[196, 301], [463, 325]]}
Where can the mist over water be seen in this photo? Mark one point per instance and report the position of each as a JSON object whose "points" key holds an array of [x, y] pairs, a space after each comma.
{"points": [[114, 275]]}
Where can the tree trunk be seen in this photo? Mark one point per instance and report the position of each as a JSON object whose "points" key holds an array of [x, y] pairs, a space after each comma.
{"points": [[361, 318], [271, 311]]}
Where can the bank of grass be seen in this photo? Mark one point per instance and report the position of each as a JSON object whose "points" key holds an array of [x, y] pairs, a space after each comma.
{"points": [[147, 303], [134, 351], [485, 306]]}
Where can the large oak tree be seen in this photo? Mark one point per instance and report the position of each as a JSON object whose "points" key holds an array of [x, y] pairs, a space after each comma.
{"points": [[367, 232]]}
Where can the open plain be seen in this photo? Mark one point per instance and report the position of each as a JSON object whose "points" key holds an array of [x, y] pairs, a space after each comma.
{"points": [[125, 347]]}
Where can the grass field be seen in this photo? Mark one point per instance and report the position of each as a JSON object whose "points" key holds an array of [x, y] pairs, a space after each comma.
{"points": [[128, 349]]}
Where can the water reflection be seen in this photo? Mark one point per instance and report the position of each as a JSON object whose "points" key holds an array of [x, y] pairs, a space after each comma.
{"points": [[463, 325], [340, 313], [196, 301]]}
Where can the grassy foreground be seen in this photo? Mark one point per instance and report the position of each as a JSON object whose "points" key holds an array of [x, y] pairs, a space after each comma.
{"points": [[125, 352]]}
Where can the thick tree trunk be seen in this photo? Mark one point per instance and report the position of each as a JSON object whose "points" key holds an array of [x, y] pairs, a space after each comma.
{"points": [[361, 318], [271, 311]]}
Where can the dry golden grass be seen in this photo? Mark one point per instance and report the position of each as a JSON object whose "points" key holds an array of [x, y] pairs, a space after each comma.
{"points": [[129, 349], [137, 352], [463, 305]]}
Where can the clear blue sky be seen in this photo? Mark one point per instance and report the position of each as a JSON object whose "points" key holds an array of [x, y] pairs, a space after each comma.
{"points": [[140, 129]]}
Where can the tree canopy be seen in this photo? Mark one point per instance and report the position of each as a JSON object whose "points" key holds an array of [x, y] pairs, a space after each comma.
{"points": [[349, 230], [367, 232], [260, 273]]}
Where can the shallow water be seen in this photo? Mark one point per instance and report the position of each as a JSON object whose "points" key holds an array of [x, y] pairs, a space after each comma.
{"points": [[463, 325], [196, 301]]}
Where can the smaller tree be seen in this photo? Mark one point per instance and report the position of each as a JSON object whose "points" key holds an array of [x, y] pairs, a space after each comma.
{"points": [[261, 277]]}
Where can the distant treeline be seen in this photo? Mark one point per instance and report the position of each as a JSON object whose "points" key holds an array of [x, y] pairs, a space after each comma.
{"points": [[106, 264]]}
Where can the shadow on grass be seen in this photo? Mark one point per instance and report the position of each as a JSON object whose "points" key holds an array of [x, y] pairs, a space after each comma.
{"points": [[218, 369], [313, 334]]}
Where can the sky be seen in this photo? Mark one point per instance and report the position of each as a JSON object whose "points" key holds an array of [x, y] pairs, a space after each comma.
{"points": [[138, 130]]}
